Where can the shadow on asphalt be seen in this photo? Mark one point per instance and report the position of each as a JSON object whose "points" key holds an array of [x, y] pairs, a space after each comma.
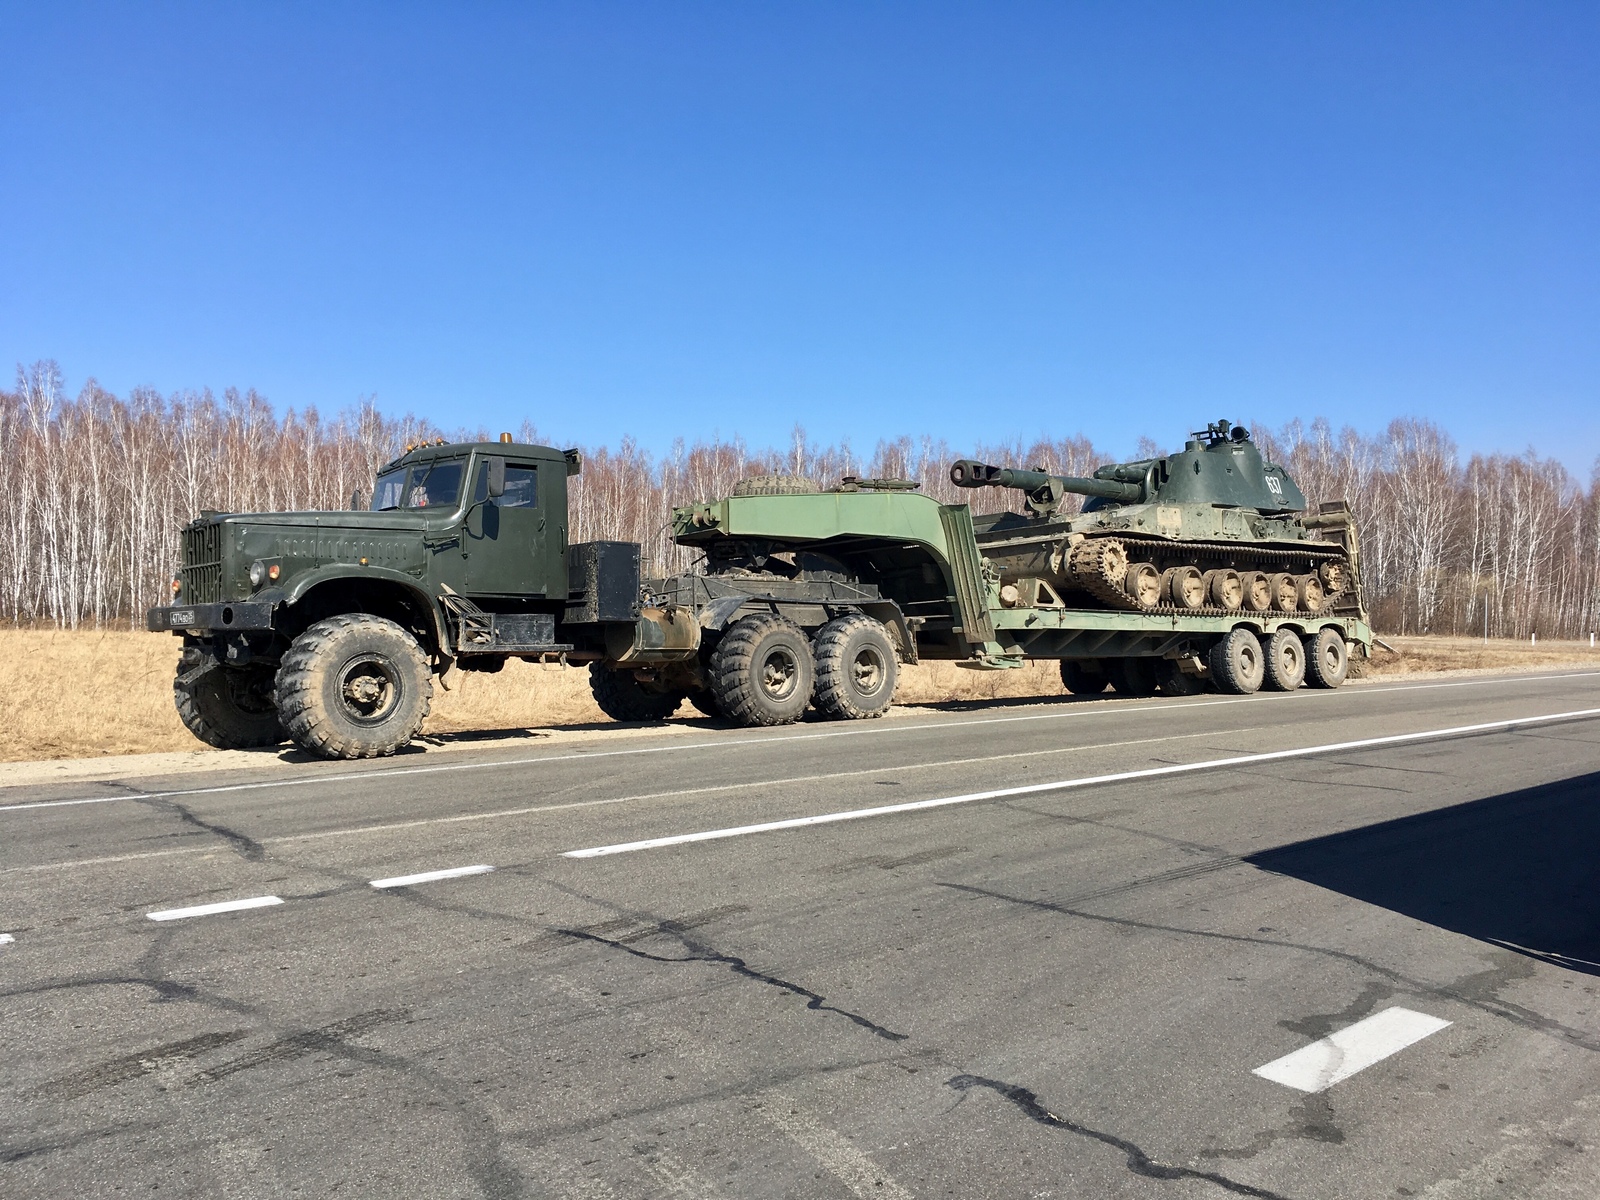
{"points": [[1519, 870]]}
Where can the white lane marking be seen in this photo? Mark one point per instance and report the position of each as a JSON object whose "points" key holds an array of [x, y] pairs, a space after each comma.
{"points": [[205, 910], [430, 876], [856, 1170], [501, 813], [1341, 1054], [6, 939], [1079, 710], [1066, 784]]}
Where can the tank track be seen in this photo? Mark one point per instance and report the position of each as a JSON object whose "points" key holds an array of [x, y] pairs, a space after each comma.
{"points": [[1098, 564]]}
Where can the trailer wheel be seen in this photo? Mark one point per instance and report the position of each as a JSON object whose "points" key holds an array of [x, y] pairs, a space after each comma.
{"points": [[1175, 681], [354, 686], [1237, 663], [1286, 661], [623, 698], [1327, 658], [230, 708], [856, 668], [762, 671], [1132, 676], [1080, 680]]}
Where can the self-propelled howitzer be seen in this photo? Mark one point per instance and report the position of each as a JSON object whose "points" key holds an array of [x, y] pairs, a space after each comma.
{"points": [[1212, 529]]}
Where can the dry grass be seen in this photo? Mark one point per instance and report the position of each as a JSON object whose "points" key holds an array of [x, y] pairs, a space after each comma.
{"points": [[86, 693]]}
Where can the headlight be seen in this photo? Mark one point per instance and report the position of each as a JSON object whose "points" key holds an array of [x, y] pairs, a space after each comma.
{"points": [[258, 573]]}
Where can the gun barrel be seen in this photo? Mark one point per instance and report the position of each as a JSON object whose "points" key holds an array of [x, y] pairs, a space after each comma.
{"points": [[969, 473]]}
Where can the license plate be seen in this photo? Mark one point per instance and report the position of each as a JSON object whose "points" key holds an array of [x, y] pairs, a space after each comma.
{"points": [[180, 618]]}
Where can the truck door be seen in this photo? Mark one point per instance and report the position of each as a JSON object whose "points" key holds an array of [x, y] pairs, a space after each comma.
{"points": [[505, 535]]}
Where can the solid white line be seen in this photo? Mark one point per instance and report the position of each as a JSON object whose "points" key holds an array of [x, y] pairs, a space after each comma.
{"points": [[1065, 784], [1074, 710], [430, 876], [205, 910], [1322, 1064]]}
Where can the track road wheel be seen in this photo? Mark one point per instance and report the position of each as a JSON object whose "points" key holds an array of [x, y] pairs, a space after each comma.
{"points": [[1224, 588], [1084, 678], [353, 686], [1286, 661], [1237, 663], [762, 672], [230, 708], [1142, 584], [1309, 594], [1257, 592], [1285, 592], [856, 668], [1186, 587], [1132, 676], [1175, 681], [622, 697], [1327, 658]]}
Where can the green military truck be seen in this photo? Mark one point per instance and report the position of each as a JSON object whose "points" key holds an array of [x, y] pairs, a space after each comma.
{"points": [[328, 628]]}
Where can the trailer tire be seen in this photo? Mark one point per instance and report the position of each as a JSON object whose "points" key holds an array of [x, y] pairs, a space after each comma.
{"points": [[354, 686], [762, 672], [1286, 661], [1080, 680], [623, 698], [1327, 658], [1132, 676], [856, 668], [705, 703], [1237, 662], [1175, 681], [230, 708]]}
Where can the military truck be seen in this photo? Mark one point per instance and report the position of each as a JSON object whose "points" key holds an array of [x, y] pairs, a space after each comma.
{"points": [[329, 628]]}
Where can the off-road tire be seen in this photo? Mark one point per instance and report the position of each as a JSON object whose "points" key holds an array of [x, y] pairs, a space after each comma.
{"points": [[775, 485], [762, 672], [1175, 681], [623, 698], [1286, 661], [230, 708], [1237, 662], [1132, 676], [1080, 680], [354, 686], [1327, 658], [856, 668], [705, 703]]}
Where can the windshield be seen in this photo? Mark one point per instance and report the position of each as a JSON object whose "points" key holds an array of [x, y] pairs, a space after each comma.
{"points": [[432, 484]]}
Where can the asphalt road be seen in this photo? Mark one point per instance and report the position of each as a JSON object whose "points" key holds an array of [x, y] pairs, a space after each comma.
{"points": [[1061, 984]]}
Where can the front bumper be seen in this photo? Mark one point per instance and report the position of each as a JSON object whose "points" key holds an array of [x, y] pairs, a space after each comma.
{"points": [[236, 616]]}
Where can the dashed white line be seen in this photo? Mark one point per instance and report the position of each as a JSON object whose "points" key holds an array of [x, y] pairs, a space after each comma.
{"points": [[6, 939], [1341, 1054], [205, 910], [430, 876], [1060, 785]]}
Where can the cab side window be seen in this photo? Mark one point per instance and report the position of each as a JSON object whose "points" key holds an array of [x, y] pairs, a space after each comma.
{"points": [[522, 488]]}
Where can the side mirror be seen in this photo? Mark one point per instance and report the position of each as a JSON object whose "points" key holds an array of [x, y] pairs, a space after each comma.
{"points": [[497, 477]]}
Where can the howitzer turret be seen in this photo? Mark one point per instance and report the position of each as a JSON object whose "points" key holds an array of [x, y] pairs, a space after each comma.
{"points": [[1212, 529]]}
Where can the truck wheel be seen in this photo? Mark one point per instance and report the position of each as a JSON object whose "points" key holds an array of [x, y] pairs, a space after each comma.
{"points": [[230, 708], [1327, 658], [1286, 661], [623, 698], [761, 671], [705, 703], [1132, 676], [1175, 681], [354, 686], [856, 668], [1078, 679], [1237, 663]]}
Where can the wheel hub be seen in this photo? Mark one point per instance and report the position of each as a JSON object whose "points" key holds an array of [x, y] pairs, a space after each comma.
{"points": [[369, 688]]}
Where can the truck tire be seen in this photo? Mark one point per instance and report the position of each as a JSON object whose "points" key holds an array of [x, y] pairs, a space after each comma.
{"points": [[230, 708], [1327, 658], [1132, 676], [856, 668], [1286, 661], [762, 672], [775, 485], [1078, 679], [623, 698], [1175, 681], [354, 686], [1237, 662]]}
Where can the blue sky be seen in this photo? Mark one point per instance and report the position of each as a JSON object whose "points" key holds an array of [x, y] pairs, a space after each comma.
{"points": [[690, 219]]}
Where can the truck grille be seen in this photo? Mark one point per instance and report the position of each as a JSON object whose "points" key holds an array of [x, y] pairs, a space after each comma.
{"points": [[201, 569]]}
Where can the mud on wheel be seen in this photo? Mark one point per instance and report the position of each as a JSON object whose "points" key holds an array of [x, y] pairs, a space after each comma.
{"points": [[856, 668], [230, 708], [354, 686], [762, 672], [622, 697]]}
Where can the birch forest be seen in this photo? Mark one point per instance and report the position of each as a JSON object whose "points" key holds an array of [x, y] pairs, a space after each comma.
{"points": [[95, 487]]}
